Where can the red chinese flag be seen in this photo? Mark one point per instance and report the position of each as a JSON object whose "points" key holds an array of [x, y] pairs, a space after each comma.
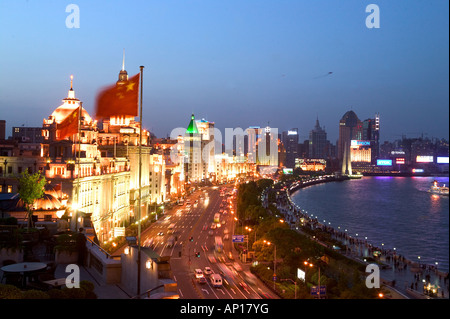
{"points": [[119, 99], [69, 125]]}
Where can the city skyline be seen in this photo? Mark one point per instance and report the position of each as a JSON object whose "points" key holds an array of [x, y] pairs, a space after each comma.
{"points": [[284, 64]]}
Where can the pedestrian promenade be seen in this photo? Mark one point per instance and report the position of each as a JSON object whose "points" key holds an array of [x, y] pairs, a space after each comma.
{"points": [[402, 277]]}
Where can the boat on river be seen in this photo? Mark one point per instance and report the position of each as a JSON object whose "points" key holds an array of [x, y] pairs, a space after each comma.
{"points": [[438, 190]]}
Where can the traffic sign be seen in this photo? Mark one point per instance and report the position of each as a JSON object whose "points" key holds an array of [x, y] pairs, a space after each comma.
{"points": [[315, 291], [238, 238]]}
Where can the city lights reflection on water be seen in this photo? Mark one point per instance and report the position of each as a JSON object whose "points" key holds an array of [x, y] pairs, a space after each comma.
{"points": [[389, 211]]}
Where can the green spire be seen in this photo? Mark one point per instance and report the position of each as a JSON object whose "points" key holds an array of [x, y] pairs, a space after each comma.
{"points": [[192, 128]]}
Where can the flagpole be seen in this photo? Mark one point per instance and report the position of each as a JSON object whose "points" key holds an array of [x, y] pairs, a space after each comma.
{"points": [[78, 164], [140, 185]]}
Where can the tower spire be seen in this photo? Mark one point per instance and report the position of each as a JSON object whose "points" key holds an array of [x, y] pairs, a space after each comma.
{"points": [[123, 60], [123, 75], [71, 94]]}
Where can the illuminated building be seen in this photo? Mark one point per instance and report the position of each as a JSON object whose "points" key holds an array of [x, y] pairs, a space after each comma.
{"points": [[360, 151], [157, 181], [313, 165], [97, 170], [350, 128], [253, 133], [193, 153], [267, 147], [290, 142], [371, 132], [206, 130]]}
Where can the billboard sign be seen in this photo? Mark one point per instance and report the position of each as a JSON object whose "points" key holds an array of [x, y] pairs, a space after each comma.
{"points": [[360, 143], [384, 162], [424, 159], [300, 274], [288, 171], [442, 160], [400, 160]]}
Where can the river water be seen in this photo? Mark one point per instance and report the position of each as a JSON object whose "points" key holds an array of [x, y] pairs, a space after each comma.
{"points": [[392, 212]]}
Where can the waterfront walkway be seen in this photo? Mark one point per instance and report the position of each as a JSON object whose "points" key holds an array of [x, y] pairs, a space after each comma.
{"points": [[403, 278]]}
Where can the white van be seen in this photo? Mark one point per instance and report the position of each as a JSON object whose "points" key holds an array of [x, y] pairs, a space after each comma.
{"points": [[216, 280]]}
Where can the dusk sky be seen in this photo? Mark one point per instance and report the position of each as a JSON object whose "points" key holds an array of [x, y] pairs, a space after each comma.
{"points": [[237, 63]]}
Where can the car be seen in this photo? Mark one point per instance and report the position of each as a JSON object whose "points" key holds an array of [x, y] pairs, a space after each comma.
{"points": [[244, 286], [223, 222], [225, 231], [226, 237], [212, 259], [237, 266], [230, 256], [160, 233], [198, 273], [207, 271], [213, 226], [201, 280], [210, 233]]}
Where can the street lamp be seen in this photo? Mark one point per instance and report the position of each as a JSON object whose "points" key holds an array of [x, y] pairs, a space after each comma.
{"points": [[295, 283], [312, 265]]}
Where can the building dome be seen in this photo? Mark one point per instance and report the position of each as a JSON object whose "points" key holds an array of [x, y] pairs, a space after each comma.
{"points": [[62, 111], [350, 119], [69, 105]]}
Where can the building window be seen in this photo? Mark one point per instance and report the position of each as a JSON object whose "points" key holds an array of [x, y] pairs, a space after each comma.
{"points": [[9, 188]]}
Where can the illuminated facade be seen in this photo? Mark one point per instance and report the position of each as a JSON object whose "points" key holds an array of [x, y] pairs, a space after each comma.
{"points": [[360, 151], [206, 130], [193, 167], [96, 170]]}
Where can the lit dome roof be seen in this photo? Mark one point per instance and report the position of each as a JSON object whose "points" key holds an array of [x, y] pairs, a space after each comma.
{"points": [[69, 105], [65, 109]]}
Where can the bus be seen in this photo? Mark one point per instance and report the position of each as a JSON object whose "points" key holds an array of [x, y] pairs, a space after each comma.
{"points": [[218, 244], [217, 218]]}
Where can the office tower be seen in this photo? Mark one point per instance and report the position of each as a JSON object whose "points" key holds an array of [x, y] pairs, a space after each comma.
{"points": [[290, 142], [371, 132], [318, 146], [350, 128]]}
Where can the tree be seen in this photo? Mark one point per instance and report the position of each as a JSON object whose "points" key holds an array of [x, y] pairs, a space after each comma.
{"points": [[31, 188]]}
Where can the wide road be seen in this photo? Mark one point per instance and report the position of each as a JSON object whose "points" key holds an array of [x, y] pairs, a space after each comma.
{"points": [[194, 230]]}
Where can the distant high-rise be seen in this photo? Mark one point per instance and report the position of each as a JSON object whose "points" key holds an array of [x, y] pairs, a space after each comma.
{"points": [[290, 142], [350, 128], [318, 146], [371, 132]]}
